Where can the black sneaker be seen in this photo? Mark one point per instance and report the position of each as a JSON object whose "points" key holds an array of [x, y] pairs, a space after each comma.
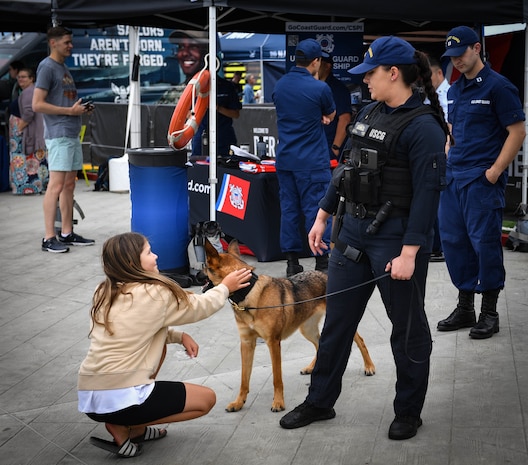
{"points": [[305, 414], [75, 239], [404, 428], [54, 246]]}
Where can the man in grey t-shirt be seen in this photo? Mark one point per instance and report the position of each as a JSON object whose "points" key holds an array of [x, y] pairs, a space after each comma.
{"points": [[56, 97]]}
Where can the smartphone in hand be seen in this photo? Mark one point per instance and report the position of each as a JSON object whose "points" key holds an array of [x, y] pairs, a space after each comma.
{"points": [[89, 105]]}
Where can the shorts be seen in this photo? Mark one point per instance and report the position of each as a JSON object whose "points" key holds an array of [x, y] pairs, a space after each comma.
{"points": [[167, 398], [64, 154]]}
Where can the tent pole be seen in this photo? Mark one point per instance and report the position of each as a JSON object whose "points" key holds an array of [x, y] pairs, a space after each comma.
{"points": [[262, 69], [212, 113], [54, 20], [524, 164], [134, 99]]}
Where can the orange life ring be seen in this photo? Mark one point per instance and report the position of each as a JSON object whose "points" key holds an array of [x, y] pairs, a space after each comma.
{"points": [[183, 128]]}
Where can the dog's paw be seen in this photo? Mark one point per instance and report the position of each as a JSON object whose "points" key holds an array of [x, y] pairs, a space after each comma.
{"points": [[234, 406], [370, 371], [307, 370], [278, 404]]}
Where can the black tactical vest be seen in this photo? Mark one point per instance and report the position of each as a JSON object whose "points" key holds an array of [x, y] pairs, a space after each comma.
{"points": [[372, 175]]}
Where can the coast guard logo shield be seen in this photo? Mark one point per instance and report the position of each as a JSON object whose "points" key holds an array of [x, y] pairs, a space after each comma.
{"points": [[326, 41], [233, 196]]}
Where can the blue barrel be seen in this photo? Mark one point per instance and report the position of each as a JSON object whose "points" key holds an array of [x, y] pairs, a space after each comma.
{"points": [[160, 204]]}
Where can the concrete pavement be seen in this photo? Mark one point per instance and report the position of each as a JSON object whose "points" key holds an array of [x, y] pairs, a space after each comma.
{"points": [[476, 411]]}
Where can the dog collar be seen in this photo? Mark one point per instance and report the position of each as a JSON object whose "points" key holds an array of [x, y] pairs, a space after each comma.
{"points": [[238, 296]]}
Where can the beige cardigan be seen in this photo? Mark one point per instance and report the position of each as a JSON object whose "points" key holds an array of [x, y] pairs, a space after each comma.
{"points": [[140, 323]]}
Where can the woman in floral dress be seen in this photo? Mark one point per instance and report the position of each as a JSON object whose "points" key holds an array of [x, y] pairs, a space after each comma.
{"points": [[29, 164]]}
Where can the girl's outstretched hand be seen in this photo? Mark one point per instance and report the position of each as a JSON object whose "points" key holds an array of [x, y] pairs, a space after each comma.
{"points": [[237, 279]]}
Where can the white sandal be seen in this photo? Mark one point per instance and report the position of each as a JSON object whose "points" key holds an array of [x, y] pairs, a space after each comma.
{"points": [[127, 450], [151, 434]]}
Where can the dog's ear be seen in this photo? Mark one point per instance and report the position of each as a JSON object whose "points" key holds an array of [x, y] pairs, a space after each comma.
{"points": [[210, 250], [233, 248]]}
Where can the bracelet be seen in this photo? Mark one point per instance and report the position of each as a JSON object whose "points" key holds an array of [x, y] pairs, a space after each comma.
{"points": [[335, 147]]}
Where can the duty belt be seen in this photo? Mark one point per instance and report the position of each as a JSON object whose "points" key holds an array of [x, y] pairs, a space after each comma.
{"points": [[359, 210]]}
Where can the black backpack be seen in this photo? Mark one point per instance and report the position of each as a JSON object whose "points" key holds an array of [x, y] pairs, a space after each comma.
{"points": [[102, 182]]}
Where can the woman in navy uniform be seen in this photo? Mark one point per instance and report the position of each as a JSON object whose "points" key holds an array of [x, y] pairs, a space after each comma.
{"points": [[389, 192]]}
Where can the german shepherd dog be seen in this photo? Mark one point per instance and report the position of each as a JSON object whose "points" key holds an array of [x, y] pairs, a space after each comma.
{"points": [[273, 308]]}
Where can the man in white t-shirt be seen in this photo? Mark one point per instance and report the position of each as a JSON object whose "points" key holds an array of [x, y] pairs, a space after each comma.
{"points": [[440, 83]]}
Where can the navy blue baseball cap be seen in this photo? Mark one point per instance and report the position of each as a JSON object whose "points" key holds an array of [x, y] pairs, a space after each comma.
{"points": [[458, 40], [388, 50], [309, 49]]}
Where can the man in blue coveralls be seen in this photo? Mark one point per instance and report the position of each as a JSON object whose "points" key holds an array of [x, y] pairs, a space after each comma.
{"points": [[487, 122], [303, 105]]}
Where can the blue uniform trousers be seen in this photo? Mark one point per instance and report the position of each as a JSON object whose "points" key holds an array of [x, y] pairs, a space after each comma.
{"points": [[404, 302], [470, 218], [299, 193]]}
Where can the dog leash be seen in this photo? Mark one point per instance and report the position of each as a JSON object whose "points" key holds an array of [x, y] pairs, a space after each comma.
{"points": [[331, 294], [408, 329]]}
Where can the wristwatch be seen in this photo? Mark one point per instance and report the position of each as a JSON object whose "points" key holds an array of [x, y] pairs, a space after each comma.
{"points": [[335, 147]]}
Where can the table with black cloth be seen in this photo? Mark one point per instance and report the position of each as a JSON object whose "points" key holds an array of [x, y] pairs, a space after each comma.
{"points": [[260, 228]]}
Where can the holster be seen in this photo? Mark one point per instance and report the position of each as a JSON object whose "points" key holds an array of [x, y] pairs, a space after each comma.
{"points": [[348, 251]]}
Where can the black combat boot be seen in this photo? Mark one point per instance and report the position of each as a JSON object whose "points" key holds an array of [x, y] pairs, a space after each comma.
{"points": [[488, 322], [321, 263], [463, 316], [293, 264]]}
